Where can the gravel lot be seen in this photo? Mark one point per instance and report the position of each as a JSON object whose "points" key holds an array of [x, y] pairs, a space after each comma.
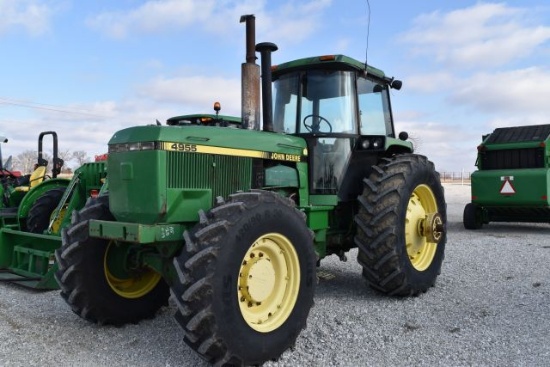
{"points": [[490, 306]]}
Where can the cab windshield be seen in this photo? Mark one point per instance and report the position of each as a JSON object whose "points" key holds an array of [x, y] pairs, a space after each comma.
{"points": [[325, 105], [321, 106]]}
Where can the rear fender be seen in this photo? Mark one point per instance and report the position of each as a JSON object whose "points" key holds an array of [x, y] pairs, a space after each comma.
{"points": [[38, 191]]}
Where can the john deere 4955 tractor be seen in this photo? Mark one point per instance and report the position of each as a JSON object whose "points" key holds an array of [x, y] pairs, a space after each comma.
{"points": [[234, 221]]}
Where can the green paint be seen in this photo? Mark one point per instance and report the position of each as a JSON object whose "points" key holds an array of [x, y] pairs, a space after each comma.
{"points": [[512, 182]]}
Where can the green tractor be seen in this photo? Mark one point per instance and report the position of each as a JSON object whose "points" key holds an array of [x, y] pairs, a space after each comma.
{"points": [[512, 182], [16, 186], [234, 221], [8, 177], [36, 208]]}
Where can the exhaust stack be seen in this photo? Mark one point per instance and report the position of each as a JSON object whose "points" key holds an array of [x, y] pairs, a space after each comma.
{"points": [[250, 79]]}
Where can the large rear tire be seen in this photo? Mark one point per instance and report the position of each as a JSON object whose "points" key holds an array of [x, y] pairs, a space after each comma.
{"points": [[246, 279], [91, 277], [42, 209], [401, 226]]}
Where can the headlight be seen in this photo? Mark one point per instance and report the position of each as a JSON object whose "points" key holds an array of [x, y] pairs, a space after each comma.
{"points": [[372, 143], [377, 143], [131, 147]]}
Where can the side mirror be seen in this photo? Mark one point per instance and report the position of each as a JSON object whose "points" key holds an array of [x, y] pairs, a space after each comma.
{"points": [[396, 84], [393, 83], [403, 135]]}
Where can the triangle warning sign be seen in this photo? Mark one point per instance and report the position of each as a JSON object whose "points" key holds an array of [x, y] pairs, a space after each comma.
{"points": [[507, 188]]}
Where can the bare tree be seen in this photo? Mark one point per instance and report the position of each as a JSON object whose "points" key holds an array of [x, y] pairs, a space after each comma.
{"points": [[417, 142], [25, 161], [81, 157], [66, 155]]}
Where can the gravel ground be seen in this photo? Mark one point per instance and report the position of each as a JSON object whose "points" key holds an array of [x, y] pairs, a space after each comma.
{"points": [[490, 307]]}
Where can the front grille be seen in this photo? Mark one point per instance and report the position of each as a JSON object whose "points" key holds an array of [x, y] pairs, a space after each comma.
{"points": [[223, 174], [512, 159]]}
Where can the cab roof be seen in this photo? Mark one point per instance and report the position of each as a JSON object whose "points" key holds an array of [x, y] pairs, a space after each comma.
{"points": [[327, 61]]}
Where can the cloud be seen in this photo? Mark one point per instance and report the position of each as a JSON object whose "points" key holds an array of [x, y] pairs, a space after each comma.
{"points": [[293, 22], [475, 105], [88, 126], [195, 91], [289, 22], [153, 17], [430, 82], [89, 131], [450, 147], [485, 35], [34, 16], [522, 92], [517, 120]]}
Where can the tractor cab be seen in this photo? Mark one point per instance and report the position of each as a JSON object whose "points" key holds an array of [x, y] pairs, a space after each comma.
{"points": [[342, 110]]}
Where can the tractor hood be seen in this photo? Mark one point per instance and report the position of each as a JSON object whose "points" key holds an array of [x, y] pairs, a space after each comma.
{"points": [[209, 140]]}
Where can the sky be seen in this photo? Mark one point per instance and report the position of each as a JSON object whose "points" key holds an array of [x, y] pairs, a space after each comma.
{"points": [[87, 69]]}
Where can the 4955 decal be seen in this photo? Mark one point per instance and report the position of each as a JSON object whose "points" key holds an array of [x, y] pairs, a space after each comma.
{"points": [[181, 147]]}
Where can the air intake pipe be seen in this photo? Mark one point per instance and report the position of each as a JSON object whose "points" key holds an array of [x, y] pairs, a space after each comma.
{"points": [[265, 49]]}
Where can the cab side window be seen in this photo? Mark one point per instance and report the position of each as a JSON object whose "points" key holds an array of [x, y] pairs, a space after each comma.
{"points": [[374, 108]]}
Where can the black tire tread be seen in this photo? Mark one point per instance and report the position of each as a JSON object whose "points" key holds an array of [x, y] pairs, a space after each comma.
{"points": [[378, 231], [71, 274], [41, 210], [470, 217], [195, 267]]}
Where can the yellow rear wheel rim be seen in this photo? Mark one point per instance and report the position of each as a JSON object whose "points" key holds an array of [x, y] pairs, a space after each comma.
{"points": [[56, 225], [269, 282], [421, 248], [130, 286]]}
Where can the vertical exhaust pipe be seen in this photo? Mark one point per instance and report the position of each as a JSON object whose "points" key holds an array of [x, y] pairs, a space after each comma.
{"points": [[250, 79], [265, 49]]}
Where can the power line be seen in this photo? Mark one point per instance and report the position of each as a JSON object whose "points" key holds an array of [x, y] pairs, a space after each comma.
{"points": [[41, 106]]}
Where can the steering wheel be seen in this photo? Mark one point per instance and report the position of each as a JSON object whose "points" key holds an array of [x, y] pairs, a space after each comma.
{"points": [[5, 174], [6, 177], [317, 128]]}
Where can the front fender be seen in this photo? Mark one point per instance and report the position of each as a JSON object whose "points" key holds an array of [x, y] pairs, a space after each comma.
{"points": [[38, 191]]}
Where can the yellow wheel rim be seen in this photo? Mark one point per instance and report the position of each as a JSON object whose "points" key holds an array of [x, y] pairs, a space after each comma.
{"points": [[135, 285], [421, 218], [56, 225], [269, 281]]}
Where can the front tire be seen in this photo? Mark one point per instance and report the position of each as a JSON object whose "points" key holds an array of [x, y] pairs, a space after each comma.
{"points": [[94, 282], [246, 279], [401, 226]]}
